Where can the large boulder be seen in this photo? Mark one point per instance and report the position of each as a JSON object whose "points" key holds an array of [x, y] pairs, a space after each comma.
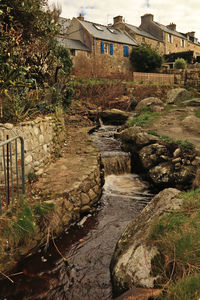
{"points": [[113, 117], [136, 136], [131, 262], [177, 94], [150, 101]]}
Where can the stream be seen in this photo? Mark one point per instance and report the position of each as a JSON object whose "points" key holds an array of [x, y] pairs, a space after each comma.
{"points": [[88, 246]]}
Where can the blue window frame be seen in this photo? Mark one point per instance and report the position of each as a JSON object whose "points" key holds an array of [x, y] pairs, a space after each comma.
{"points": [[111, 49], [102, 47], [126, 51]]}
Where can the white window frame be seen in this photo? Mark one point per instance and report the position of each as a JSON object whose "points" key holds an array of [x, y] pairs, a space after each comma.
{"points": [[170, 38], [182, 43]]}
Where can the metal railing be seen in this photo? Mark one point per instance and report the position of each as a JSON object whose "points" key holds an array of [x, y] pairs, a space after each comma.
{"points": [[12, 175]]}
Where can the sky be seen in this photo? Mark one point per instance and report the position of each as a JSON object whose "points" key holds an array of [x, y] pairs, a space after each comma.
{"points": [[184, 13]]}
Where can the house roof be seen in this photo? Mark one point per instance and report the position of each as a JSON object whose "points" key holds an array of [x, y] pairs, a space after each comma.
{"points": [[170, 31], [191, 39], [140, 31], [64, 24], [107, 33], [72, 44]]}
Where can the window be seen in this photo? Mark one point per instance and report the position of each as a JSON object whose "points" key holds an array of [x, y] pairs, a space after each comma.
{"points": [[126, 51], [143, 40], [98, 27], [106, 48], [112, 30], [182, 43], [170, 38], [73, 52]]}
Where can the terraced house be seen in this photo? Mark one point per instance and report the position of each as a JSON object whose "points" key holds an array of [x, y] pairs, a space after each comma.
{"points": [[165, 39], [173, 41], [98, 50], [103, 51], [141, 36]]}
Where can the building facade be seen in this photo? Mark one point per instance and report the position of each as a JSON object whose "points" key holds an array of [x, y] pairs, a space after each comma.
{"points": [[108, 49]]}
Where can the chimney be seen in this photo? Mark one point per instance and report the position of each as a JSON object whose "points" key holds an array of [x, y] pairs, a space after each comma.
{"points": [[191, 34], [171, 26], [146, 18], [80, 17], [118, 19]]}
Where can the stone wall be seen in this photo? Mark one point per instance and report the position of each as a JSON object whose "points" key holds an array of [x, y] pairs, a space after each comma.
{"points": [[188, 77], [106, 65], [70, 203], [42, 138]]}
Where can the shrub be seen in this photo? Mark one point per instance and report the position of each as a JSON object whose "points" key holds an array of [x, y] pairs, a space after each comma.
{"points": [[145, 59], [180, 63]]}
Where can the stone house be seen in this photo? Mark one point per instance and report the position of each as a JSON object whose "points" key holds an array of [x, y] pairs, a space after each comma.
{"points": [[98, 50], [165, 39], [173, 40], [141, 36]]}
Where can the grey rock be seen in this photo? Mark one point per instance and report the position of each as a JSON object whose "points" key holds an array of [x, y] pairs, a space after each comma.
{"points": [[162, 173], [177, 94], [135, 135], [113, 117], [131, 261], [151, 155], [151, 101]]}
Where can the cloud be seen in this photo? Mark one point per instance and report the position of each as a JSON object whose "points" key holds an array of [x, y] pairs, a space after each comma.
{"points": [[184, 13]]}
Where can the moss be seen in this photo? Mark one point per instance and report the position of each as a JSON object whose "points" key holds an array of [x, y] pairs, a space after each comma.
{"points": [[176, 236]]}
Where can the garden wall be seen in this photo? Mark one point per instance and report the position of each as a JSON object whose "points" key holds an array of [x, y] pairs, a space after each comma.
{"points": [[187, 77], [42, 138]]}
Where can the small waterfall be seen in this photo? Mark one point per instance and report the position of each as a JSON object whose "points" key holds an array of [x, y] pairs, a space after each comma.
{"points": [[116, 163]]}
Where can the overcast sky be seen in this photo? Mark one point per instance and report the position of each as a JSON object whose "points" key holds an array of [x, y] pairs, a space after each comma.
{"points": [[184, 13]]}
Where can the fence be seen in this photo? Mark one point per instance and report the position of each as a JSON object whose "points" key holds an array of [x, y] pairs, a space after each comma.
{"points": [[12, 178], [153, 78]]}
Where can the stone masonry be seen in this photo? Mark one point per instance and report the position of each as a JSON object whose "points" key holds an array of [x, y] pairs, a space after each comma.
{"points": [[41, 136]]}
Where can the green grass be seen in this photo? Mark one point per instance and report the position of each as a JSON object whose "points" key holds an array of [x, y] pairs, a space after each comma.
{"points": [[187, 288], [184, 145], [147, 118], [19, 222], [176, 235]]}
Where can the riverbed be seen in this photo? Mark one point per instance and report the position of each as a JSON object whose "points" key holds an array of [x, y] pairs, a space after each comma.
{"points": [[76, 265]]}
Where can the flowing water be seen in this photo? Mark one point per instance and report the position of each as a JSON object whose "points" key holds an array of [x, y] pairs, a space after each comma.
{"points": [[88, 246]]}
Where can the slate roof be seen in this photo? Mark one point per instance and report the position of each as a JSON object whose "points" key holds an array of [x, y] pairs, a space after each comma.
{"points": [[174, 32], [106, 33], [72, 44], [140, 31]]}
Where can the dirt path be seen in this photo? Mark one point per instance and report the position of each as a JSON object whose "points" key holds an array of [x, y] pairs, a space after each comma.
{"points": [[172, 125]]}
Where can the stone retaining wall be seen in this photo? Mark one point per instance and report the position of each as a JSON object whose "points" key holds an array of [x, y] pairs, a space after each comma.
{"points": [[187, 77], [70, 203], [42, 137]]}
